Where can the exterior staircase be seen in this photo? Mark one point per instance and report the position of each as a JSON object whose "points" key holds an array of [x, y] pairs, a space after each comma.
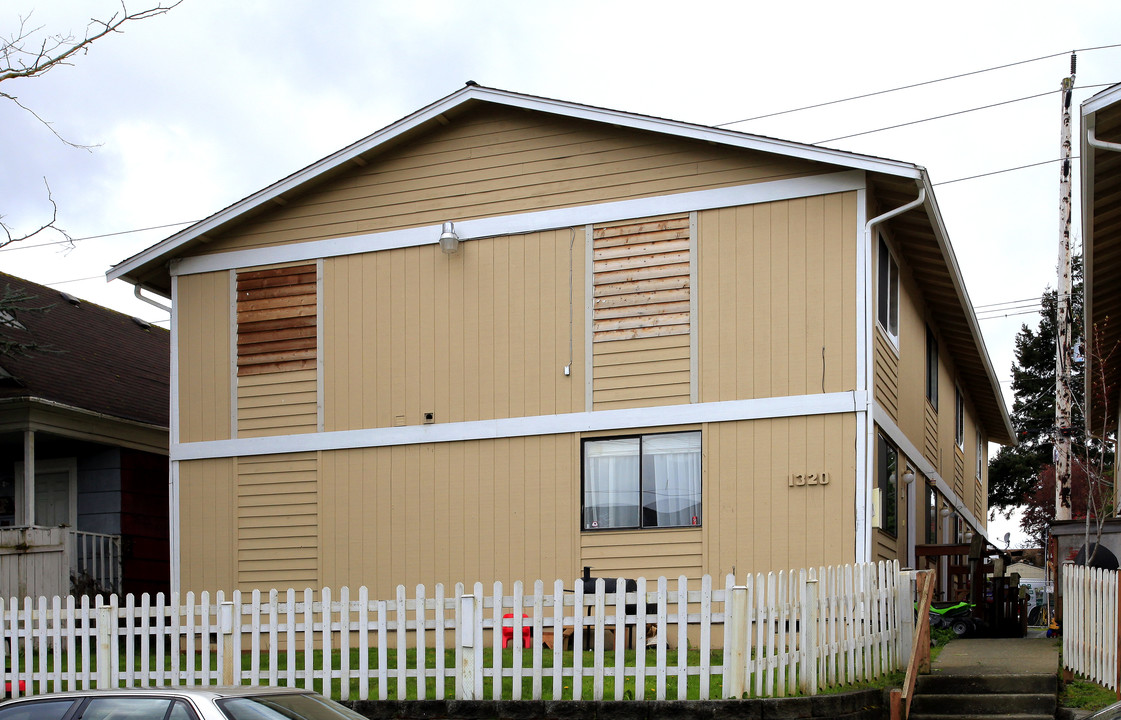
{"points": [[963, 697]]}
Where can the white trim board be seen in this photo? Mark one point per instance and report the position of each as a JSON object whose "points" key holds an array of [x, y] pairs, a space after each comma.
{"points": [[888, 426], [600, 420], [750, 194]]}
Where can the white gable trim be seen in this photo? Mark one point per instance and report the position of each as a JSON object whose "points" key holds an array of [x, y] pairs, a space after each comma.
{"points": [[520, 223], [600, 420]]}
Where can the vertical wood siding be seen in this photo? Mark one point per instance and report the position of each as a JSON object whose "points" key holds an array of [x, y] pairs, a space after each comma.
{"points": [[777, 298], [496, 161], [204, 364], [208, 522], [278, 521], [887, 376], [641, 313], [505, 509], [477, 335], [753, 519]]}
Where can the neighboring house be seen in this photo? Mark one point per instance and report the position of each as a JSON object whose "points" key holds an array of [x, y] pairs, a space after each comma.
{"points": [[83, 448], [657, 348]]}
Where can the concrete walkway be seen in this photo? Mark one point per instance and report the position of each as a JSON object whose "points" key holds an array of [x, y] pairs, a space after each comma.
{"points": [[998, 656]]}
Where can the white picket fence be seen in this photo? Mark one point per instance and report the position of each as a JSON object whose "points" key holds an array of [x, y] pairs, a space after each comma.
{"points": [[779, 633], [1090, 623]]}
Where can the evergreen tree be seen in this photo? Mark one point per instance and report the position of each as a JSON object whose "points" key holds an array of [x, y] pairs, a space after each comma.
{"points": [[1015, 471]]}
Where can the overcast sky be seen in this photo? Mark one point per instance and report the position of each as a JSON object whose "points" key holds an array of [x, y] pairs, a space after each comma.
{"points": [[196, 109]]}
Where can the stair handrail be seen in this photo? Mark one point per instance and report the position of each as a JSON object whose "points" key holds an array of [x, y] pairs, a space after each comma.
{"points": [[920, 649]]}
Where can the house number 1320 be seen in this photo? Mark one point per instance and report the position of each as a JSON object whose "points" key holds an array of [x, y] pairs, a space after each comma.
{"points": [[802, 479]]}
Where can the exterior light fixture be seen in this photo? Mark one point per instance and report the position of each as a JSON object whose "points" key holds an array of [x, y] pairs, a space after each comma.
{"points": [[909, 476], [449, 241], [945, 512]]}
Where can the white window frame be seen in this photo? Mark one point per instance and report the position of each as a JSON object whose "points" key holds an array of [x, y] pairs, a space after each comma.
{"points": [[887, 313]]}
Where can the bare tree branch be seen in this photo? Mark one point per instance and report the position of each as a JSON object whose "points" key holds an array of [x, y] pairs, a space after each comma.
{"points": [[23, 55], [56, 50], [9, 238]]}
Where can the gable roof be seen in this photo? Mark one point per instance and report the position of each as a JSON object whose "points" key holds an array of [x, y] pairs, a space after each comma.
{"points": [[96, 360], [895, 183]]}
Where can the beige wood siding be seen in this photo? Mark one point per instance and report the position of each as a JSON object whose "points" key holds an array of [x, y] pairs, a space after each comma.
{"points": [[208, 522], [887, 376], [776, 295], [959, 474], [931, 449], [203, 327], [278, 522], [477, 335], [752, 519], [495, 161], [280, 403], [644, 553], [451, 512]]}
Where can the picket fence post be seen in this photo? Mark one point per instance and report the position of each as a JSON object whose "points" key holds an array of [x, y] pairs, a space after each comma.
{"points": [[738, 629], [465, 636], [226, 629], [807, 674], [104, 646]]}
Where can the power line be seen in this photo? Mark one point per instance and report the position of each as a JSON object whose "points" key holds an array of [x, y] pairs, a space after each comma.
{"points": [[999, 172], [21, 246], [915, 85]]}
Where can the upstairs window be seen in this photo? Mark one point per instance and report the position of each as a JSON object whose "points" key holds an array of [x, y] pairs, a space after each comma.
{"points": [[650, 481], [980, 456], [931, 368], [887, 291], [931, 512], [959, 419]]}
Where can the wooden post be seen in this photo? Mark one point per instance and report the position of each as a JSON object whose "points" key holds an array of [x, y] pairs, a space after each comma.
{"points": [[105, 636], [465, 636], [736, 623], [227, 673], [1063, 328]]}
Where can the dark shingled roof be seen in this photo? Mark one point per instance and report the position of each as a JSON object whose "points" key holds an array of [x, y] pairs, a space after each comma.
{"points": [[99, 360]]}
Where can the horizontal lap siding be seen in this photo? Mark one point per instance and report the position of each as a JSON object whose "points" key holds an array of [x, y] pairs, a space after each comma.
{"points": [[887, 377], [208, 521], [477, 335], [203, 328], [650, 554], [276, 404], [278, 522], [752, 519], [641, 315], [777, 297], [503, 509], [496, 161]]}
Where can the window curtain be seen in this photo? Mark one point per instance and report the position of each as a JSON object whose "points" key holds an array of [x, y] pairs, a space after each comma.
{"points": [[611, 483], [671, 492]]}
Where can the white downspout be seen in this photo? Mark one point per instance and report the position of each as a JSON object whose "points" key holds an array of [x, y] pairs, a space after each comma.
{"points": [[864, 494], [153, 303]]}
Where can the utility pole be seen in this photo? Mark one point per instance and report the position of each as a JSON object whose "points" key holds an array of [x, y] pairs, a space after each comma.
{"points": [[1063, 329]]}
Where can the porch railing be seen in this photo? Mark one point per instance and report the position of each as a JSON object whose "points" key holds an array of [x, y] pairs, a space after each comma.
{"points": [[96, 558]]}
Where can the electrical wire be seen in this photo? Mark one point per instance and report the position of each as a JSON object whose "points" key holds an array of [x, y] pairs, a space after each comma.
{"points": [[21, 246], [918, 84]]}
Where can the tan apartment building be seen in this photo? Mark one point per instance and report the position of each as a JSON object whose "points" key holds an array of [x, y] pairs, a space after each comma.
{"points": [[508, 337]]}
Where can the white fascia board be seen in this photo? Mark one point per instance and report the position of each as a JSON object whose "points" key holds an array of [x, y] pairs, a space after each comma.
{"points": [[1087, 168], [1103, 99], [638, 122], [467, 230], [942, 236], [889, 428], [600, 420]]}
